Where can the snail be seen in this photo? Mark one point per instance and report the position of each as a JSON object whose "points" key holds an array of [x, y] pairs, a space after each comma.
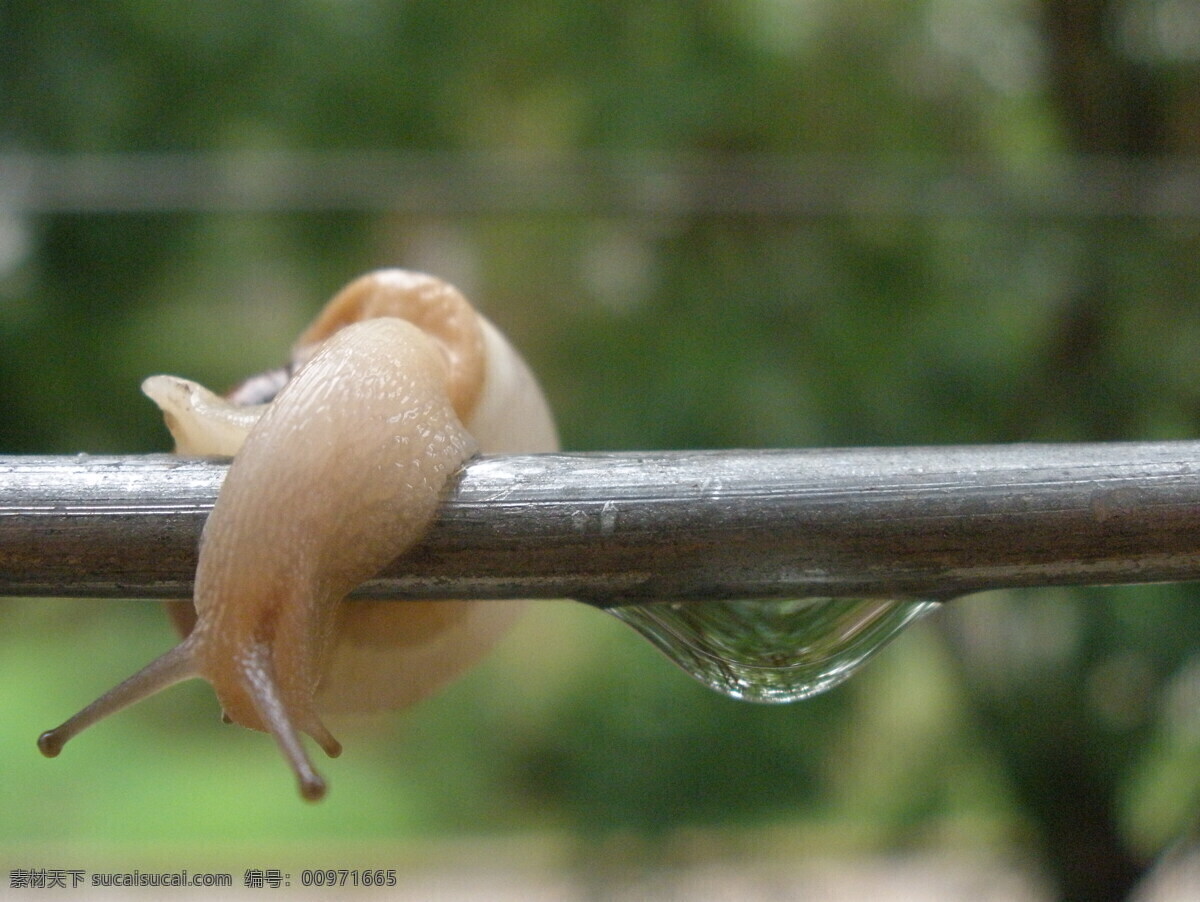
{"points": [[338, 465]]}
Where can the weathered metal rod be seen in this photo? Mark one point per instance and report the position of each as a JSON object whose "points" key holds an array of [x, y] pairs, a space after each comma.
{"points": [[933, 522]]}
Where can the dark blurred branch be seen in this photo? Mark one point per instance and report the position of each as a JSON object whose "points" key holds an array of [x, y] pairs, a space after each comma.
{"points": [[612, 528], [1107, 102]]}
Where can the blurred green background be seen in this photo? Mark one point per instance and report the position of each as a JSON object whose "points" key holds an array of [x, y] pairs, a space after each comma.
{"points": [[745, 223]]}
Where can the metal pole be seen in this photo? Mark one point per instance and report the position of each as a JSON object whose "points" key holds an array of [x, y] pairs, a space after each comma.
{"points": [[931, 522]]}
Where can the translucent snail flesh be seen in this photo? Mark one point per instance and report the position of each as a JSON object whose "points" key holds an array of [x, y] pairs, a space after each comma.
{"points": [[394, 386]]}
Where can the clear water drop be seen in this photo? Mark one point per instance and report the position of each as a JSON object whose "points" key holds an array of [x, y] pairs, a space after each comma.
{"points": [[773, 651]]}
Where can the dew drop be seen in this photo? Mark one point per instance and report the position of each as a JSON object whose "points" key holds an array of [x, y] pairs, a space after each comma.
{"points": [[772, 651]]}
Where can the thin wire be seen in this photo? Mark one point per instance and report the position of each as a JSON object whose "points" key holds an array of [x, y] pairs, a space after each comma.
{"points": [[602, 183]]}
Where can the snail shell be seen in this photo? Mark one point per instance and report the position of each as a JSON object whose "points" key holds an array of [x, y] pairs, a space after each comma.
{"points": [[394, 386]]}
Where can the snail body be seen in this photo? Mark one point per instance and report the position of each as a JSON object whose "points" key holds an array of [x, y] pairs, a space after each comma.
{"points": [[397, 383]]}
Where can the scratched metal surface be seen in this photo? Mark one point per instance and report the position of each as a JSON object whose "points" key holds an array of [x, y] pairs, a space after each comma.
{"points": [[616, 528]]}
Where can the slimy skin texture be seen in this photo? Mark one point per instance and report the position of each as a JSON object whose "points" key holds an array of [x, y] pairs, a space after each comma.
{"points": [[397, 383]]}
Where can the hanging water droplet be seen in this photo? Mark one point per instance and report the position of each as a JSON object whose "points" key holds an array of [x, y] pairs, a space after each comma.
{"points": [[772, 650]]}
